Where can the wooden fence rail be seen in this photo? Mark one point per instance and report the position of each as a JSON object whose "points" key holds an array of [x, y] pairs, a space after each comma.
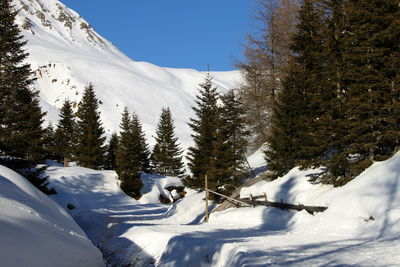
{"points": [[239, 201], [253, 201]]}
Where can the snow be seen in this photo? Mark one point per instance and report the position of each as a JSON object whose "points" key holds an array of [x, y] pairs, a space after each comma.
{"points": [[256, 160], [65, 59], [37, 232], [294, 187], [155, 185], [147, 232], [374, 193], [360, 227]]}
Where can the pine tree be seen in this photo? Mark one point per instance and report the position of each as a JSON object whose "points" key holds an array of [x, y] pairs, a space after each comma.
{"points": [[228, 164], [167, 155], [64, 135], [316, 86], [295, 111], [142, 147], [90, 140], [111, 152], [204, 127], [49, 143], [31, 128], [128, 158], [284, 138], [332, 125], [370, 83], [20, 114]]}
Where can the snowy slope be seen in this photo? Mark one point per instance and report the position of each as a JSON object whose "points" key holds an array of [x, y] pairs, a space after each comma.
{"points": [[369, 205], [37, 232], [66, 53], [361, 226]]}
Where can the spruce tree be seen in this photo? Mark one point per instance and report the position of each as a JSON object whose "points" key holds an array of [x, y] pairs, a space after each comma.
{"points": [[64, 135], [371, 80], [128, 158], [228, 161], [284, 139], [31, 129], [90, 140], [49, 143], [142, 147], [310, 64], [20, 113], [167, 155], [204, 127], [291, 139], [111, 152], [332, 125]]}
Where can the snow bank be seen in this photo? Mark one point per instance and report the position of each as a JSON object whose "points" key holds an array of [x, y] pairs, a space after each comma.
{"points": [[294, 188], [368, 205], [35, 231], [154, 185], [257, 160], [86, 188], [92, 189], [188, 210]]}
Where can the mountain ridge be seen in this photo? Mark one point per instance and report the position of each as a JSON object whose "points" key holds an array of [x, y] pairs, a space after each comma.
{"points": [[66, 53]]}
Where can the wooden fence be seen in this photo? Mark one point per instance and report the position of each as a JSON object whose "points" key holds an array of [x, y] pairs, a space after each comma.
{"points": [[262, 200]]}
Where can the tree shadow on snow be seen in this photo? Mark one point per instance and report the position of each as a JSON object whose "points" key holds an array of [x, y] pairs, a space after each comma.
{"points": [[120, 251], [106, 227], [203, 249]]}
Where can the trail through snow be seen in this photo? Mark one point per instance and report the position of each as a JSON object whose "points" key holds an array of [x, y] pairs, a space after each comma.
{"points": [[144, 233]]}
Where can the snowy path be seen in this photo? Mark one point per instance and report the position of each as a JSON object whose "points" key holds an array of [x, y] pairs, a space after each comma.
{"points": [[147, 234]]}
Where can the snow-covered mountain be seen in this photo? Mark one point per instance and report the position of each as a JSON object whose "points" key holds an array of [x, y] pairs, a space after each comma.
{"points": [[66, 53]]}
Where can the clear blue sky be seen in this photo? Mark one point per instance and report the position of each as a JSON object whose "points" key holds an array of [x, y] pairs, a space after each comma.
{"points": [[172, 33]]}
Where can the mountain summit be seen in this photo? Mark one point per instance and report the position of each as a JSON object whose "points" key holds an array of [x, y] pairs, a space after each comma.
{"points": [[66, 53]]}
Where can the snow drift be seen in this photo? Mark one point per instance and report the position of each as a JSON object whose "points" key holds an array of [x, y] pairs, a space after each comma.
{"points": [[369, 205], [37, 232]]}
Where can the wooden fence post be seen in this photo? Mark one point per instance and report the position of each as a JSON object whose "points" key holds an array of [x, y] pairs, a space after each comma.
{"points": [[206, 187], [252, 201]]}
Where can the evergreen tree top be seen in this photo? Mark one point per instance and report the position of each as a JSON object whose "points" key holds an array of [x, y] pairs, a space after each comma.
{"points": [[88, 106], [20, 114], [206, 108], [125, 121], [136, 125], [12, 52], [208, 93], [165, 127], [166, 157], [66, 113]]}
